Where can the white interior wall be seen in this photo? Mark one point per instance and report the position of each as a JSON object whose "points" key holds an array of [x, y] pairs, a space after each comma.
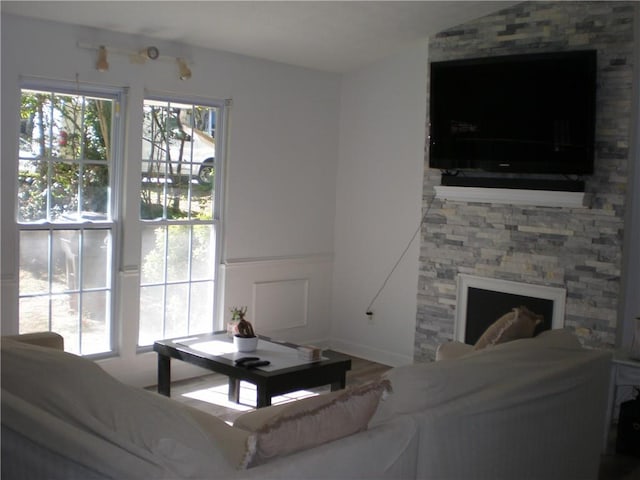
{"points": [[281, 165], [378, 206]]}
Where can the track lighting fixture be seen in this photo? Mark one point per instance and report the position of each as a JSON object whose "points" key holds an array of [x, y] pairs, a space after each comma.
{"points": [[102, 65], [185, 72], [138, 56]]}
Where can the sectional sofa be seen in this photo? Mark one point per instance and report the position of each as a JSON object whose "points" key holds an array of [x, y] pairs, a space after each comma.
{"points": [[529, 408]]}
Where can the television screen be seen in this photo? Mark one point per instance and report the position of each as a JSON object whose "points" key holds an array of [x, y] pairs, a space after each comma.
{"points": [[530, 113]]}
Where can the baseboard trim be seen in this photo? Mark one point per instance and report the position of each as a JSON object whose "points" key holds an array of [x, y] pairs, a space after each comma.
{"points": [[384, 357]]}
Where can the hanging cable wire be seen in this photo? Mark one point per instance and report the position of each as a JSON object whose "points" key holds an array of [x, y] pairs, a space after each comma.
{"points": [[369, 312]]}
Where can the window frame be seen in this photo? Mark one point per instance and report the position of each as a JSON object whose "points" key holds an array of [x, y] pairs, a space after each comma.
{"points": [[223, 107], [116, 190]]}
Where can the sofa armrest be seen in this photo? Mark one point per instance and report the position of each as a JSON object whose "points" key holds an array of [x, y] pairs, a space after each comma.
{"points": [[42, 339]]}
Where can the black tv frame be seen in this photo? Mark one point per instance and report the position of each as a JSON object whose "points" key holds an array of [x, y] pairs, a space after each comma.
{"points": [[559, 162]]}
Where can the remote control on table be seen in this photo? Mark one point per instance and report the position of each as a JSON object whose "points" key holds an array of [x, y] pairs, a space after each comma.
{"points": [[257, 363], [244, 360]]}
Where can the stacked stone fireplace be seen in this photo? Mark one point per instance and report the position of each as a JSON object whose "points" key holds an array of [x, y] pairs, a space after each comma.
{"points": [[575, 249]]}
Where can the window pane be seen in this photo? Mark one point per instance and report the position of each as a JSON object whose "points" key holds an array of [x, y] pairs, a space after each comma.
{"points": [[65, 260], [32, 187], [65, 319], [50, 286], [178, 253], [178, 155], [177, 310], [62, 189], [66, 119], [153, 255], [34, 314], [95, 189], [95, 326], [152, 200], [201, 307], [97, 129], [95, 261], [59, 134], [203, 252], [151, 315], [34, 262]]}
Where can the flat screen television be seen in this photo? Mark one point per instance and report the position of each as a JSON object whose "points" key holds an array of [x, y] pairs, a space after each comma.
{"points": [[532, 113]]}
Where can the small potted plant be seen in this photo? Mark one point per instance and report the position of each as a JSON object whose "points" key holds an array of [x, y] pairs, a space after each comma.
{"points": [[236, 314], [244, 336]]}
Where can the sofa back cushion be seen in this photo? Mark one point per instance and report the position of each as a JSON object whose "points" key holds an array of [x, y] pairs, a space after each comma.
{"points": [[506, 372], [149, 436]]}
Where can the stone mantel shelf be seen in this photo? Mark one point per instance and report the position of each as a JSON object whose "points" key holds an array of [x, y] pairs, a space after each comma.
{"points": [[510, 196]]}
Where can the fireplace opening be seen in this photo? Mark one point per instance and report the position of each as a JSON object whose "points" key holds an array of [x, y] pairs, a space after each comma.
{"points": [[481, 301]]}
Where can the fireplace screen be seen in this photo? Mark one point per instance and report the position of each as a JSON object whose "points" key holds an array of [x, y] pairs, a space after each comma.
{"points": [[481, 301]]}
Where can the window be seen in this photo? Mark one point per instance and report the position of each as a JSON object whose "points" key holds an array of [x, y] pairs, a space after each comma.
{"points": [[70, 185], [65, 214], [179, 221]]}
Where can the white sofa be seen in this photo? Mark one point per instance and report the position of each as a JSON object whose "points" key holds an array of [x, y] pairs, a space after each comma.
{"points": [[531, 408]]}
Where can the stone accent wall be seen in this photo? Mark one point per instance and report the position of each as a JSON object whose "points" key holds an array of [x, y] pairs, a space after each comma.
{"points": [[572, 248]]}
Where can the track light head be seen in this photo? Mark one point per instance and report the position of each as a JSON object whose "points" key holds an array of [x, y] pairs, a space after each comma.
{"points": [[184, 71], [102, 65]]}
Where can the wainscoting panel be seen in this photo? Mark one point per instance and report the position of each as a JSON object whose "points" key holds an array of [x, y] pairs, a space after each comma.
{"points": [[287, 298], [281, 304]]}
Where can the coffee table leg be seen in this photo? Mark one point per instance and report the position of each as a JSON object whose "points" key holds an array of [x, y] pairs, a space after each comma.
{"points": [[234, 390], [263, 399], [164, 375], [340, 384]]}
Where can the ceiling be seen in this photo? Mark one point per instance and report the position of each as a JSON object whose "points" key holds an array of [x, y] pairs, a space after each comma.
{"points": [[324, 35]]}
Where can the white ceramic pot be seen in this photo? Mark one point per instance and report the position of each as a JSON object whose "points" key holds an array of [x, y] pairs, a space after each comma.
{"points": [[244, 344]]}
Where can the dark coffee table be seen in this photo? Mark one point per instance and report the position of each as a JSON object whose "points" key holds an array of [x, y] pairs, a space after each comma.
{"points": [[282, 376]]}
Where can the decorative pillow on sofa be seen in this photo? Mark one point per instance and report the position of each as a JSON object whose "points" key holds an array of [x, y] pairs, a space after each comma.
{"points": [[519, 323], [453, 349], [295, 426]]}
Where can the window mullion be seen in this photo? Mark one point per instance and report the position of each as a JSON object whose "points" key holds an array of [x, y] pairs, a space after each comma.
{"points": [[79, 286], [189, 277], [49, 158], [81, 160]]}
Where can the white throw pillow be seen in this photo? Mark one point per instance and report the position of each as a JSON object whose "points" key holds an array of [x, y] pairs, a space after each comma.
{"points": [[454, 349], [284, 429], [518, 323]]}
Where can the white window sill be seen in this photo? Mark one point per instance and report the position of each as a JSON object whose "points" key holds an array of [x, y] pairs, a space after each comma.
{"points": [[539, 198]]}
